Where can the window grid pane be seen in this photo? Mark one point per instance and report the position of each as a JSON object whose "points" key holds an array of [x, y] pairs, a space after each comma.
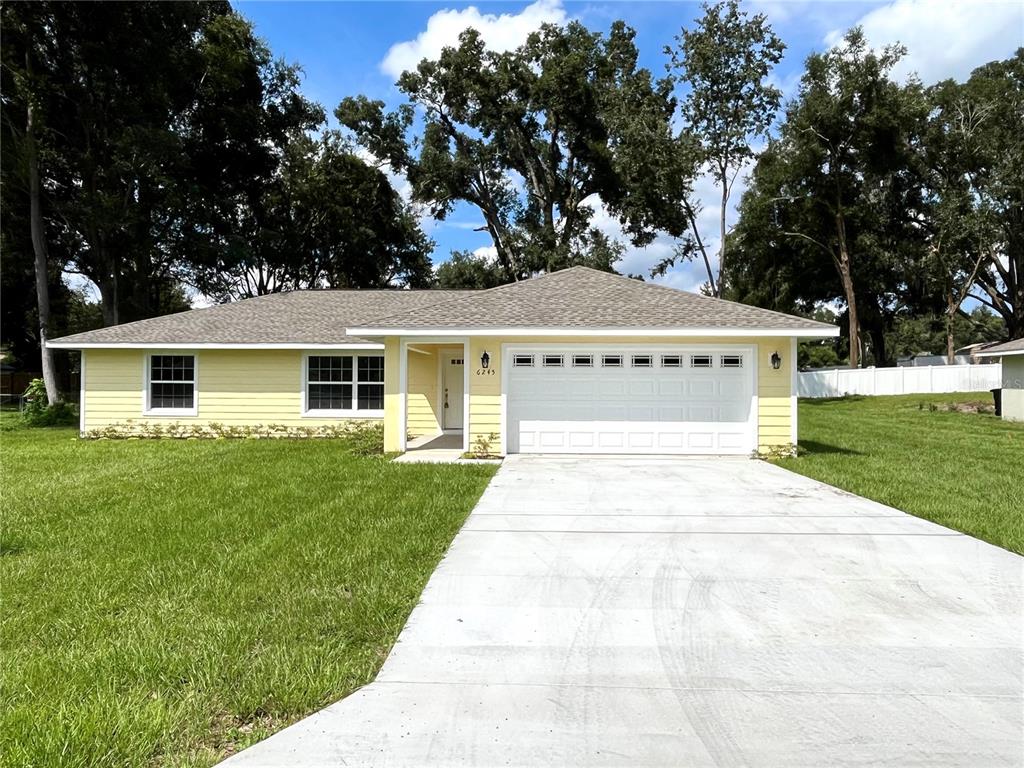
{"points": [[553, 361], [642, 361], [329, 397], [345, 383], [732, 361], [671, 361], [522, 361], [611, 361], [700, 361], [582, 361], [172, 381], [371, 397]]}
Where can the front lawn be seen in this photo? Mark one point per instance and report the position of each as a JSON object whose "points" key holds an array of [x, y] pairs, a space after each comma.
{"points": [[170, 602], [919, 454]]}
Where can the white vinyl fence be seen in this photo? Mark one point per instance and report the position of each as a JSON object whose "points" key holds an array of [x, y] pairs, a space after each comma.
{"points": [[899, 381]]}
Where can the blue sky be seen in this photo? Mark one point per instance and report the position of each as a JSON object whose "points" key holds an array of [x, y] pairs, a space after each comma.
{"points": [[349, 48]]}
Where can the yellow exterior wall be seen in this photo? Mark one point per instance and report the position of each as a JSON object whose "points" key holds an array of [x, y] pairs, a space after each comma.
{"points": [[773, 386], [423, 415], [392, 397], [234, 387]]}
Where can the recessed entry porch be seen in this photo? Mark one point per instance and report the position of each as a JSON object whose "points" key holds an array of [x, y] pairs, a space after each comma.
{"points": [[432, 378]]}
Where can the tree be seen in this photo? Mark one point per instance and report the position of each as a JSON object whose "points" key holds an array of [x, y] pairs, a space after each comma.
{"points": [[961, 233], [154, 120], [533, 138], [995, 94], [840, 184], [328, 219], [468, 271], [724, 63]]}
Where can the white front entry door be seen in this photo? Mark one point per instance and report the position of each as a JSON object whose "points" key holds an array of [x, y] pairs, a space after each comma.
{"points": [[673, 399], [452, 389]]}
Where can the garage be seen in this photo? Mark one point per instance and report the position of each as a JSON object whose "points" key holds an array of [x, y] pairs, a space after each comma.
{"points": [[694, 399]]}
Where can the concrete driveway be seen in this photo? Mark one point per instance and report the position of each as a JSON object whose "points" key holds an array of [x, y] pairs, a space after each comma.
{"points": [[715, 612]]}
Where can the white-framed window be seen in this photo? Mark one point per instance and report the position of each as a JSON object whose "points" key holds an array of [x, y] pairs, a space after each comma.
{"points": [[700, 361], [731, 361], [344, 385], [522, 361], [171, 385], [671, 361], [552, 361], [582, 361], [611, 361], [643, 361]]}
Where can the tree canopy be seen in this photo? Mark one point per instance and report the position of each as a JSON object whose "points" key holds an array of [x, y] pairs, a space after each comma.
{"points": [[533, 138]]}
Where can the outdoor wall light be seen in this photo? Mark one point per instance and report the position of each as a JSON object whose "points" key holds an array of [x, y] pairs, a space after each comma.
{"points": [[776, 361], [485, 360]]}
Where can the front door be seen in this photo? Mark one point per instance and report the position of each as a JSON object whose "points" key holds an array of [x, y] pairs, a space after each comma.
{"points": [[452, 389]]}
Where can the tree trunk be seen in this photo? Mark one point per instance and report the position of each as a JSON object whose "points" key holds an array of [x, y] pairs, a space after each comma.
{"points": [[846, 277], [951, 308], [721, 249], [41, 261], [108, 299], [703, 251]]}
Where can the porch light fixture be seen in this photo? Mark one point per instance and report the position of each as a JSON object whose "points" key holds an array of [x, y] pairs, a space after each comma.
{"points": [[485, 360], [776, 361]]}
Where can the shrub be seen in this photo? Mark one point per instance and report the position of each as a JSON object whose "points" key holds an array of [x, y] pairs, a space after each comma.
{"points": [[39, 413], [366, 438]]}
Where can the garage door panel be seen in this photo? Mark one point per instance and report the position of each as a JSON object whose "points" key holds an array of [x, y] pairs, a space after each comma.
{"points": [[631, 409]]}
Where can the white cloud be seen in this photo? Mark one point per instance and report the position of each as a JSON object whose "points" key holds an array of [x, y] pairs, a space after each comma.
{"points": [[500, 32], [944, 39]]}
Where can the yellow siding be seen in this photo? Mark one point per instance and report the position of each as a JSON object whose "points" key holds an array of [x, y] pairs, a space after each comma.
{"points": [[234, 387], [485, 393], [422, 400]]}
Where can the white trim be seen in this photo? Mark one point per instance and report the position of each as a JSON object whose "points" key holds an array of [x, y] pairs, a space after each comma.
{"points": [[814, 333], [81, 395], [147, 410], [1011, 353], [192, 346], [793, 385], [337, 413], [403, 389], [755, 413], [465, 396], [506, 359]]}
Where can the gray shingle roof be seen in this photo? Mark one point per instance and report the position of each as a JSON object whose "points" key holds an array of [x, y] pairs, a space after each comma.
{"points": [[584, 298], [1016, 346], [298, 317], [577, 298]]}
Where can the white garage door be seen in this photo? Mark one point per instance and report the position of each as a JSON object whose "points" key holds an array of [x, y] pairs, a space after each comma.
{"points": [[586, 399]]}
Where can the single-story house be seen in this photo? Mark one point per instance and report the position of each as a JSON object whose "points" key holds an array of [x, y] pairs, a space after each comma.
{"points": [[1012, 355], [575, 361]]}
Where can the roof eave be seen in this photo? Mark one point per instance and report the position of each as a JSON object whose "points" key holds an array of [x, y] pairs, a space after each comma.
{"points": [[810, 333], [1008, 353], [59, 344]]}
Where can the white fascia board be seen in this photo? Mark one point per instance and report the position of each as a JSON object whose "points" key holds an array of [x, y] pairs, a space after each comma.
{"points": [[1011, 353], [154, 345], [813, 333]]}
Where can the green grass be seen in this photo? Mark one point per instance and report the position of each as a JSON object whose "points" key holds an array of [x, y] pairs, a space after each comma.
{"points": [[170, 602], [961, 470]]}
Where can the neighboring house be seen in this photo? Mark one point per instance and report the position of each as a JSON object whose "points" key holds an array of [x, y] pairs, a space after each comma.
{"points": [[1012, 355], [576, 361]]}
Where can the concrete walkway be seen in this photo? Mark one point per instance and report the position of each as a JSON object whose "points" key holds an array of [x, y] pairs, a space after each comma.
{"points": [[678, 612]]}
